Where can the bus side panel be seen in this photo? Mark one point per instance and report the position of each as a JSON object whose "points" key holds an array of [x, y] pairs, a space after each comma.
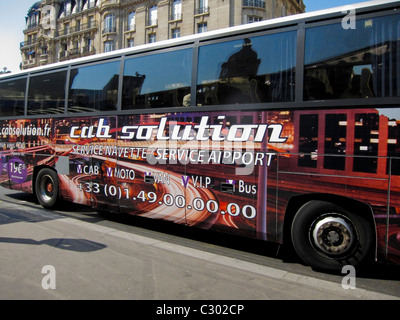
{"points": [[393, 251], [346, 153], [201, 169], [24, 145], [148, 185], [90, 146], [182, 174], [4, 154]]}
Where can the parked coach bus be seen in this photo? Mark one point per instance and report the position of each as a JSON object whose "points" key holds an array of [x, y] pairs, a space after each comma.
{"points": [[286, 130]]}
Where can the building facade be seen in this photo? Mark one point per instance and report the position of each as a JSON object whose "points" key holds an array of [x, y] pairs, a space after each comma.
{"points": [[58, 30]]}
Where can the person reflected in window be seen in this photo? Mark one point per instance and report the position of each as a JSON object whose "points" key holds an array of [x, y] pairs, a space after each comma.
{"points": [[236, 79]]}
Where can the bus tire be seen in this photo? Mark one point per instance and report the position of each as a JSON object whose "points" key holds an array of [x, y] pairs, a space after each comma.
{"points": [[327, 237], [47, 188]]}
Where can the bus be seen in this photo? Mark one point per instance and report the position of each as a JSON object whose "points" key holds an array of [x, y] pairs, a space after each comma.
{"points": [[286, 130]]}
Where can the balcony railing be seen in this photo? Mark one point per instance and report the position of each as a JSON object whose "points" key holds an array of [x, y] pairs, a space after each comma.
{"points": [[31, 25], [71, 30], [131, 27], [254, 3], [202, 10], [88, 49], [152, 22], [28, 43], [109, 30], [74, 52], [176, 16]]}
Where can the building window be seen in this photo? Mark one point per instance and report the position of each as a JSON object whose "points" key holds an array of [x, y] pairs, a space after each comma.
{"points": [[109, 24], [89, 4], [251, 19], [66, 9], [32, 21], [92, 22], [109, 46], [202, 7], [64, 50], [88, 46], [75, 49], [283, 11], [176, 13], [66, 28], [152, 16], [152, 38], [131, 21], [254, 3], [131, 43], [176, 33], [78, 6], [202, 27], [31, 55]]}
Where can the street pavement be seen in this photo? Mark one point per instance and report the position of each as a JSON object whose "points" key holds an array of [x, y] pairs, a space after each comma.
{"points": [[49, 255]]}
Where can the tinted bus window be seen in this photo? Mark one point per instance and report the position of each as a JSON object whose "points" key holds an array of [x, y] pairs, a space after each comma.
{"points": [[251, 70], [335, 141], [160, 80], [308, 140], [94, 88], [12, 97], [394, 144], [366, 140], [353, 63], [47, 93]]}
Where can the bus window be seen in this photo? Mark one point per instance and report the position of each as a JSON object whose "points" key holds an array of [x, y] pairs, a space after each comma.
{"points": [[47, 93], [366, 140], [353, 63], [308, 141], [157, 81], [250, 70], [335, 141], [394, 145], [12, 97], [94, 88]]}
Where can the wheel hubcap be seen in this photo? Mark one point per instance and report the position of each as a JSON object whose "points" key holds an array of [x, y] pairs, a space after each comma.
{"points": [[47, 188], [333, 236]]}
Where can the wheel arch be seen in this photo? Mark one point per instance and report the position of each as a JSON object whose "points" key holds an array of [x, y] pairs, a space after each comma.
{"points": [[357, 207]]}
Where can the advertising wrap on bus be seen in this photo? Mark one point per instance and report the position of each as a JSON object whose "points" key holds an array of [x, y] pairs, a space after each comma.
{"points": [[216, 170]]}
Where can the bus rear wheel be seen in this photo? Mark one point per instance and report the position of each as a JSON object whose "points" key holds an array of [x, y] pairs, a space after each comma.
{"points": [[46, 188], [327, 237]]}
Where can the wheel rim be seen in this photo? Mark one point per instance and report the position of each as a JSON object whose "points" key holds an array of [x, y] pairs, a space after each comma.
{"points": [[333, 236], [46, 188]]}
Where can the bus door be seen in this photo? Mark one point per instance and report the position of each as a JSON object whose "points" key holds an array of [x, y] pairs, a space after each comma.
{"points": [[393, 237], [393, 152], [223, 188], [102, 148], [151, 178]]}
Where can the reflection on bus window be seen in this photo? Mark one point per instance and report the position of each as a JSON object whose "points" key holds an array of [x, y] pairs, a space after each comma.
{"points": [[47, 93], [335, 141], [157, 81], [353, 63], [394, 145], [94, 88], [251, 70], [12, 97], [366, 140], [308, 140]]}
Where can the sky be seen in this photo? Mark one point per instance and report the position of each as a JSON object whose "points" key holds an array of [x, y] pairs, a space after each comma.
{"points": [[12, 24]]}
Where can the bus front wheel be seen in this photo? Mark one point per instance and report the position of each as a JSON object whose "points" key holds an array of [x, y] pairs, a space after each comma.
{"points": [[46, 188], [327, 237]]}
